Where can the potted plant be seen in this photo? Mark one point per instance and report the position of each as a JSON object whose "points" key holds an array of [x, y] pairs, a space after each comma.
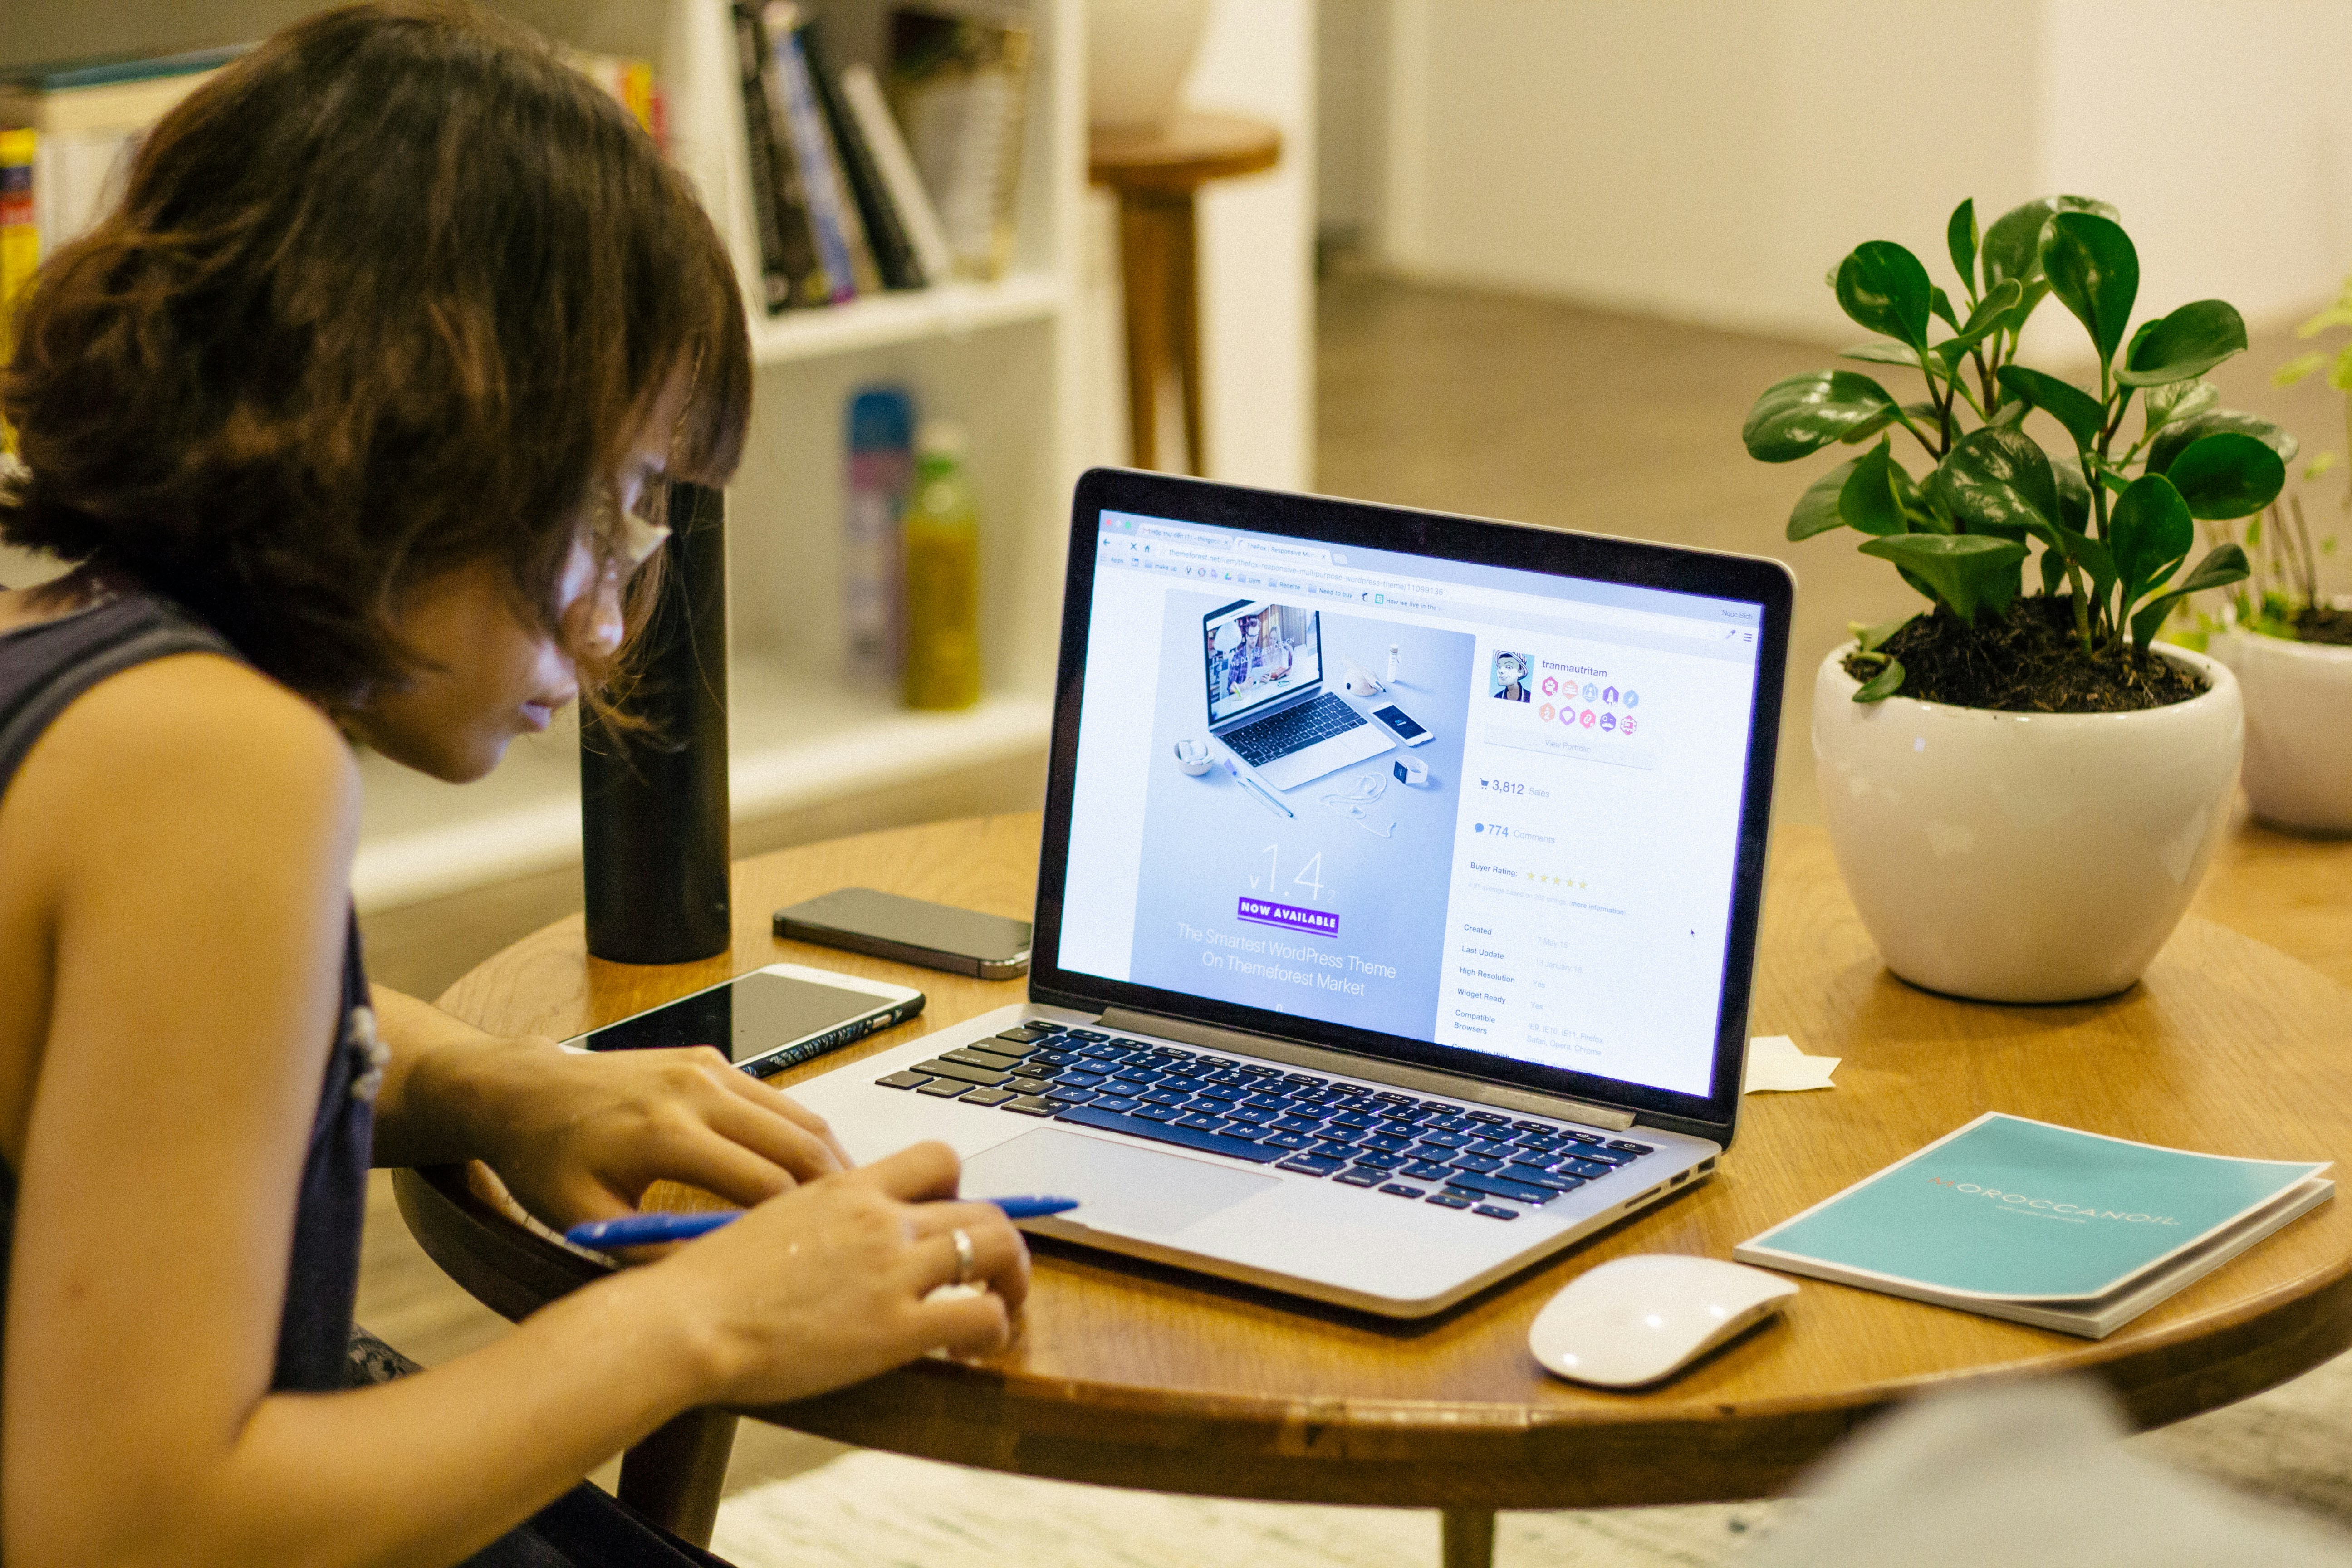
{"points": [[2290, 649], [2020, 790]]}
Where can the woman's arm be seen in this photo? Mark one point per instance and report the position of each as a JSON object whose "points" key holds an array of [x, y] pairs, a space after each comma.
{"points": [[190, 827], [577, 1136]]}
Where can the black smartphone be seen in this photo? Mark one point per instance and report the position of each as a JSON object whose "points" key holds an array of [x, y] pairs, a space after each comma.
{"points": [[936, 936], [767, 1020]]}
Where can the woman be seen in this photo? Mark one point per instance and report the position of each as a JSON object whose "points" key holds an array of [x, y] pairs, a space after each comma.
{"points": [[351, 418]]}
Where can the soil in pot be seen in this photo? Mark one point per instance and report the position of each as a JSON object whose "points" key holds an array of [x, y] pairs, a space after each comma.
{"points": [[2321, 623], [2028, 661]]}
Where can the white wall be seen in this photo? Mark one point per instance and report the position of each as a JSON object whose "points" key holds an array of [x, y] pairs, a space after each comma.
{"points": [[1710, 161], [1257, 287]]}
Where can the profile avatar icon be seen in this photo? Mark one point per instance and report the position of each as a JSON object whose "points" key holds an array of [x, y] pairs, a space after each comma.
{"points": [[1510, 679]]}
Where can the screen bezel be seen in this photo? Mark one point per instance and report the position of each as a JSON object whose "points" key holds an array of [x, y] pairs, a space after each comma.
{"points": [[1272, 700], [1765, 583], [884, 997]]}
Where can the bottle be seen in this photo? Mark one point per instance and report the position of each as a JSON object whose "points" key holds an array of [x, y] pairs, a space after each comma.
{"points": [[881, 471], [941, 539]]}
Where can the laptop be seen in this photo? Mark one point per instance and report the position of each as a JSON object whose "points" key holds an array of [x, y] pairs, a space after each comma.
{"points": [[1384, 1038], [1267, 705]]}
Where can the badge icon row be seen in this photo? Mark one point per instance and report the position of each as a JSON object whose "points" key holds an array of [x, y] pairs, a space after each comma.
{"points": [[1588, 719], [1593, 691]]}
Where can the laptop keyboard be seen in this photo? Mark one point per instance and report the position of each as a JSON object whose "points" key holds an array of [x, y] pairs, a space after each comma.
{"points": [[1292, 730], [1432, 1151]]}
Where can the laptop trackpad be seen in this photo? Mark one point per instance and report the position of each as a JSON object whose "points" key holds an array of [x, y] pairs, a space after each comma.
{"points": [[1134, 1192]]}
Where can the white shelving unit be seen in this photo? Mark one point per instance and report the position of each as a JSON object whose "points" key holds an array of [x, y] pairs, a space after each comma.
{"points": [[1000, 358]]}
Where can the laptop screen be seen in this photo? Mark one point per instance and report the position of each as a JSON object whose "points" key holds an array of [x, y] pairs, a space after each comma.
{"points": [[1258, 652], [1535, 872]]}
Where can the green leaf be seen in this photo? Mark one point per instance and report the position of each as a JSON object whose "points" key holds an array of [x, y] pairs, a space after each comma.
{"points": [[2012, 247], [2179, 400], [1871, 500], [1971, 573], [2095, 560], [1923, 413], [1802, 414], [1961, 240], [1884, 684], [2337, 315], [2149, 531], [1992, 314], [1998, 480], [2295, 369], [2093, 269], [2053, 570], [2340, 375], [1816, 510], [2011, 414], [1870, 639], [2078, 411], [2225, 564], [1940, 304], [2226, 475], [2074, 495], [2182, 434], [2184, 344], [1882, 286], [2320, 465]]}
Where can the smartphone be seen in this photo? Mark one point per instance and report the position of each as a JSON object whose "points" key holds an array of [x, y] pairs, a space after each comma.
{"points": [[936, 936], [1411, 733], [767, 1020]]}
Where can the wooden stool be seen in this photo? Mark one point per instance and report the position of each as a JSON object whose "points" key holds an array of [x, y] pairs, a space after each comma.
{"points": [[1157, 172]]}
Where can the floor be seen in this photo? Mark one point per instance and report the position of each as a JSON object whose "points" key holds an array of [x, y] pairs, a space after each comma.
{"points": [[1462, 401]]}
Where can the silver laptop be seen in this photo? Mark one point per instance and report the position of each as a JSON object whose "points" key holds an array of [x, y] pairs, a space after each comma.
{"points": [[1392, 1035], [1267, 704]]}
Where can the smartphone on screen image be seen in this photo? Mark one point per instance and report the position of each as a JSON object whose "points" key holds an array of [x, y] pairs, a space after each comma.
{"points": [[1404, 729], [912, 930], [767, 1020]]}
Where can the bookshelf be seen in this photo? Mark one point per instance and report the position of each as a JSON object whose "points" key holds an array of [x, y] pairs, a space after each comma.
{"points": [[1000, 358]]}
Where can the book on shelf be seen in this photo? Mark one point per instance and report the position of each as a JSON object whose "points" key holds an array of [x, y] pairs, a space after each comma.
{"points": [[632, 83], [790, 272], [2040, 1223], [833, 214], [959, 85], [894, 166], [86, 119], [886, 231]]}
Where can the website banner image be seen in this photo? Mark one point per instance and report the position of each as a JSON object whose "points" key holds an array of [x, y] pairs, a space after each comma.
{"points": [[1325, 897]]}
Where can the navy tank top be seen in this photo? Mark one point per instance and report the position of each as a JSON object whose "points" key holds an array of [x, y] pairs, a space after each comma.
{"points": [[43, 668]]}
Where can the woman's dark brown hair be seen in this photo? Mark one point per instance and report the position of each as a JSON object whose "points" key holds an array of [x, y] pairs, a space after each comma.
{"points": [[395, 293]]}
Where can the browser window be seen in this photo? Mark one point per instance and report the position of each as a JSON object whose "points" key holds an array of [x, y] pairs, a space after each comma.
{"points": [[1537, 866]]}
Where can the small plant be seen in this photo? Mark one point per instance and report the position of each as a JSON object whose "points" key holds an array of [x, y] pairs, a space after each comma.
{"points": [[2114, 518]]}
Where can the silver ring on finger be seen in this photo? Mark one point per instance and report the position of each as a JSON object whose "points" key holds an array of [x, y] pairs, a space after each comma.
{"points": [[967, 1265]]}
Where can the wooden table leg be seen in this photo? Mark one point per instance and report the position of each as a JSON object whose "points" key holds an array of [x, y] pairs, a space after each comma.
{"points": [[1469, 1537], [673, 1476], [1158, 238]]}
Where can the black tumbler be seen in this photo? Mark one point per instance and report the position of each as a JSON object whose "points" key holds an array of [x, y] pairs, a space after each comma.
{"points": [[653, 801]]}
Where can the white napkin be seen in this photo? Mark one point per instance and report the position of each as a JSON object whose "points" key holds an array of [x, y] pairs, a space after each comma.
{"points": [[1774, 1063]]}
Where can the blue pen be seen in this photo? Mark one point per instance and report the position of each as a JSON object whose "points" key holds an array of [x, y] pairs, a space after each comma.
{"points": [[645, 1229]]}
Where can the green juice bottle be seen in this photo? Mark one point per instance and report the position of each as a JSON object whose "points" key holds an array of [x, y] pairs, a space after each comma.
{"points": [[941, 536]]}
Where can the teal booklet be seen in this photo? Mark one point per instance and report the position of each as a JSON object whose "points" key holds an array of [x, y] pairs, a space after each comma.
{"points": [[2040, 1223]]}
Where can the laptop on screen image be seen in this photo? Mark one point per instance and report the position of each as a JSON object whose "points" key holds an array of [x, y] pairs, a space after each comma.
{"points": [[1264, 662], [1386, 1032]]}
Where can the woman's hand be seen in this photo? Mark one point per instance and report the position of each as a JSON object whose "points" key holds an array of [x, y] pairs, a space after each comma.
{"points": [[581, 1136], [831, 1283]]}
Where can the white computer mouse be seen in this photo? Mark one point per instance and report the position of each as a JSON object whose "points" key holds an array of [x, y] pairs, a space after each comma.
{"points": [[1634, 1321]]}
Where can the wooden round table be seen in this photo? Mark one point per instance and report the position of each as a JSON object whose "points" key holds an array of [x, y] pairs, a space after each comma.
{"points": [[1129, 1374]]}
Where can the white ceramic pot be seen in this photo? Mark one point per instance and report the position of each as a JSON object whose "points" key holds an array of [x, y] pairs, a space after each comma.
{"points": [[2023, 856], [2298, 729], [1138, 54]]}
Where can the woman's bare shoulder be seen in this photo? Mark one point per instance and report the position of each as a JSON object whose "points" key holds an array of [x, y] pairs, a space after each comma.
{"points": [[189, 732]]}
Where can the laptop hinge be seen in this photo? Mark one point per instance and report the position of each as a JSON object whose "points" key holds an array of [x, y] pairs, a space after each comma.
{"points": [[1427, 1080]]}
